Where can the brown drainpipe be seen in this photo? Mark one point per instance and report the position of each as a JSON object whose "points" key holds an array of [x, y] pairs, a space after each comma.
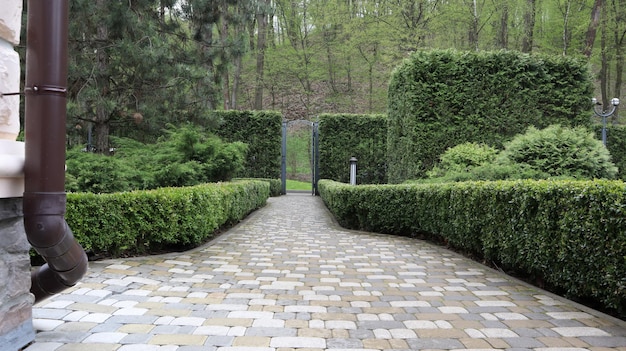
{"points": [[44, 169]]}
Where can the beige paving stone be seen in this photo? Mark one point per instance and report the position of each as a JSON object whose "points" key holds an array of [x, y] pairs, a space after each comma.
{"points": [[177, 339], [441, 333], [462, 324], [251, 341], [398, 344], [229, 322], [476, 344], [314, 332], [527, 324], [438, 316], [377, 310], [376, 344], [170, 312], [136, 328], [334, 316], [202, 301], [75, 327], [151, 305], [296, 323], [120, 272], [576, 342], [340, 334], [497, 343], [554, 342]]}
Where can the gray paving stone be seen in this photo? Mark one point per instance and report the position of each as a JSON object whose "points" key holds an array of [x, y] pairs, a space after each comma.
{"points": [[440, 344]]}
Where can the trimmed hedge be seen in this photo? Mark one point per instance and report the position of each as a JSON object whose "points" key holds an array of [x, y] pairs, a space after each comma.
{"points": [[362, 136], [275, 184], [139, 222], [262, 132], [570, 234], [440, 99]]}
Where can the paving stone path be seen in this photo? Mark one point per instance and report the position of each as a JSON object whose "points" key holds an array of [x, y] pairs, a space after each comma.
{"points": [[288, 278]]}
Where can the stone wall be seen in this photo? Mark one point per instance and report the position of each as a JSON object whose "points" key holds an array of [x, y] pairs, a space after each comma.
{"points": [[16, 328]]}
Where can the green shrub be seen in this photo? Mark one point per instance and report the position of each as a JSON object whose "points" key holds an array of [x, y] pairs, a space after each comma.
{"points": [[561, 152], [570, 234], [139, 222], [439, 99], [185, 156], [463, 158]]}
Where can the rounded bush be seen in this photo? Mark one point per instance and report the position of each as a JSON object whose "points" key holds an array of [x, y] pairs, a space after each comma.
{"points": [[463, 157], [560, 152]]}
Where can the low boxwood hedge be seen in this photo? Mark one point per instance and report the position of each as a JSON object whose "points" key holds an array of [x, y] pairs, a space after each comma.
{"points": [[139, 222], [275, 184], [569, 234]]}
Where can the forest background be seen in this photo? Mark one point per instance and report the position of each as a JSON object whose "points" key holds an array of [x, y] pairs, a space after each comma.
{"points": [[138, 66]]}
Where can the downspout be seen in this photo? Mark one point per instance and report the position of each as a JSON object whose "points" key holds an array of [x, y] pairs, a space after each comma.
{"points": [[44, 169]]}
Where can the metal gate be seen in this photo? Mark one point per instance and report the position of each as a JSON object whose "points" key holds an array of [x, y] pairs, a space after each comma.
{"points": [[314, 156]]}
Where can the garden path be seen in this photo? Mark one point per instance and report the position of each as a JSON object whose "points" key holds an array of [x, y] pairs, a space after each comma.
{"points": [[289, 278]]}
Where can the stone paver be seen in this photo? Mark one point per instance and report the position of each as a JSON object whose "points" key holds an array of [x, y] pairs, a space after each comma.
{"points": [[289, 278]]}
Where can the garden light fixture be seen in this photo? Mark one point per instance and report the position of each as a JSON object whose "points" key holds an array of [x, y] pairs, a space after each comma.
{"points": [[604, 114]]}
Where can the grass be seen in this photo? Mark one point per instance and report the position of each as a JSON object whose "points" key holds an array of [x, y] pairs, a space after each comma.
{"points": [[297, 185]]}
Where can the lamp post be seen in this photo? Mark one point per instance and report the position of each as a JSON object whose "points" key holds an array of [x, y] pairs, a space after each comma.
{"points": [[353, 170], [604, 114]]}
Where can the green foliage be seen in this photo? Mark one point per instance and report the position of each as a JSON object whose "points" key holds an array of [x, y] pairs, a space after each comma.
{"points": [[561, 152], [185, 156], [439, 99], [362, 136], [463, 158], [261, 131], [275, 184], [140, 222], [570, 234], [616, 144]]}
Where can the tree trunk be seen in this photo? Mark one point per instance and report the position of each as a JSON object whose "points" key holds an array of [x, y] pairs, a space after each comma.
{"points": [[502, 40], [473, 30], [604, 67], [529, 26], [619, 61], [590, 37], [224, 70], [236, 80], [101, 119], [261, 19], [566, 31]]}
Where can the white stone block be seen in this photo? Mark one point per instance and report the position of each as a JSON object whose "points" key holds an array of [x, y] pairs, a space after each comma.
{"points": [[9, 83], [10, 20], [11, 169]]}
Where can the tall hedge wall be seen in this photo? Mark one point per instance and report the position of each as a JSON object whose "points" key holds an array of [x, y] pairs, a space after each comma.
{"points": [[439, 99], [362, 136], [262, 131]]}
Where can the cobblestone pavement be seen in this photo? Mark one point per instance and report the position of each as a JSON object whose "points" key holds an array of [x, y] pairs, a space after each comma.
{"points": [[288, 278]]}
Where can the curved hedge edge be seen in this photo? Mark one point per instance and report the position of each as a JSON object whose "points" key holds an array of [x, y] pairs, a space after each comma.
{"points": [[275, 184], [570, 234], [144, 222]]}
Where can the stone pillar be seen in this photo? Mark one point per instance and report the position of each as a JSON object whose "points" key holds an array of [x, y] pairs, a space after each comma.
{"points": [[11, 151], [16, 327]]}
